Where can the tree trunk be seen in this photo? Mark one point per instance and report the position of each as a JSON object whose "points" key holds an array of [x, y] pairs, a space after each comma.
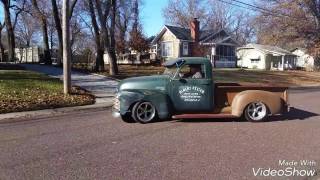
{"points": [[1, 48], [46, 49], [66, 48], [99, 60], [113, 68], [58, 28], [10, 32], [44, 26]]}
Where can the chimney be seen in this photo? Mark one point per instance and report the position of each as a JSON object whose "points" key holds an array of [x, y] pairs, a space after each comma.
{"points": [[194, 29]]}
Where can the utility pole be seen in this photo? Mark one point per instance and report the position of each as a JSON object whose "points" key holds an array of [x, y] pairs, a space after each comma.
{"points": [[66, 47]]}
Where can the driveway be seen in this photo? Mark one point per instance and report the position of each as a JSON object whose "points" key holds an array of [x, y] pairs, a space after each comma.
{"points": [[91, 144], [102, 87]]}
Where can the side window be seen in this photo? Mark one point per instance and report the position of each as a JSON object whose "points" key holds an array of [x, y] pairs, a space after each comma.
{"points": [[185, 50], [192, 71]]}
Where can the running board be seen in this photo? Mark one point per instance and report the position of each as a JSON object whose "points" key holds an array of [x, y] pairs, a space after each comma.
{"points": [[203, 116]]}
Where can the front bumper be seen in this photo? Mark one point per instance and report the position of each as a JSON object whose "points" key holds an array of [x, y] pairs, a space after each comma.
{"points": [[116, 106], [116, 114]]}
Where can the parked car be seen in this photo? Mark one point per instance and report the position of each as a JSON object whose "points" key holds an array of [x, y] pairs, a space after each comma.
{"points": [[178, 94]]}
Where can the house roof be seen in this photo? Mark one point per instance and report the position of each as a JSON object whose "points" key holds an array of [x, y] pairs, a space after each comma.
{"points": [[267, 49], [180, 32], [205, 36], [298, 48]]}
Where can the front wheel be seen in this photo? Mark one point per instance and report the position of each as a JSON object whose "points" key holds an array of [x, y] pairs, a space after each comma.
{"points": [[144, 112], [256, 112]]}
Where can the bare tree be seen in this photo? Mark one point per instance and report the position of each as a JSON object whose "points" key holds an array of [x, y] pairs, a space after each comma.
{"points": [[213, 15], [57, 21], [123, 21], [25, 29], [104, 34], [137, 40], [181, 12], [292, 23], [243, 28], [56, 15], [42, 17], [2, 25], [7, 5], [9, 28]]}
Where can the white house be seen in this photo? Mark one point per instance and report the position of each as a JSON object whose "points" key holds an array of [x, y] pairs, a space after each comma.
{"points": [[304, 60], [28, 54], [257, 56]]}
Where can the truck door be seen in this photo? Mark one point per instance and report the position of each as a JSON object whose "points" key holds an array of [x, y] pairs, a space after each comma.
{"points": [[192, 91]]}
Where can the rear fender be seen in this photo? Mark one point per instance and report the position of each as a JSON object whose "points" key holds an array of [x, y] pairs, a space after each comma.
{"points": [[158, 99], [243, 99]]}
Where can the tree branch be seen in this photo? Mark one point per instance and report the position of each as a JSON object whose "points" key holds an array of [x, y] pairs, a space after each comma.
{"points": [[73, 4]]}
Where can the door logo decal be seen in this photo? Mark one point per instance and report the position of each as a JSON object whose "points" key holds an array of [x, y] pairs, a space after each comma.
{"points": [[191, 93]]}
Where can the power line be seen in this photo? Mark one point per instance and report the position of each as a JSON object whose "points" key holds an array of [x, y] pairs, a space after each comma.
{"points": [[256, 8], [260, 8]]}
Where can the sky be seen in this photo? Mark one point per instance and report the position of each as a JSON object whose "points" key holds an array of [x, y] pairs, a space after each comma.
{"points": [[151, 16]]}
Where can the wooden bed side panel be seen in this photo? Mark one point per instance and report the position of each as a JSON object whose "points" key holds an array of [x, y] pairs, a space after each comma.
{"points": [[225, 94]]}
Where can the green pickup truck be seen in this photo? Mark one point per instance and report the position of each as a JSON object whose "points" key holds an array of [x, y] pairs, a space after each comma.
{"points": [[186, 90]]}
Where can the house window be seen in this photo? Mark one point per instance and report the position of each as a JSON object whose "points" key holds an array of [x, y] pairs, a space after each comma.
{"points": [[167, 49], [255, 61], [185, 50]]}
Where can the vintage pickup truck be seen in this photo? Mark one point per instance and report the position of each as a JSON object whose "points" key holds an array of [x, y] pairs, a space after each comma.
{"points": [[179, 95]]}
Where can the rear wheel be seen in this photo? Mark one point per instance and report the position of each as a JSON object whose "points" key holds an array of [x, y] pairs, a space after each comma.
{"points": [[256, 112], [144, 112]]}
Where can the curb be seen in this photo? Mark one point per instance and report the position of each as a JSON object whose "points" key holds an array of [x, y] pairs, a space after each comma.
{"points": [[115, 79], [51, 112]]}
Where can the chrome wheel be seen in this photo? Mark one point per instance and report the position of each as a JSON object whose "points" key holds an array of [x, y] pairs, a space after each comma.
{"points": [[256, 111], [144, 112]]}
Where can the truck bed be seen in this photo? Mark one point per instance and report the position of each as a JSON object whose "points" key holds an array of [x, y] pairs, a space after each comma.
{"points": [[225, 92]]}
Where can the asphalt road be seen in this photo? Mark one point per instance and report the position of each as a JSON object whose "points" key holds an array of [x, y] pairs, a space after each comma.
{"points": [[93, 145]]}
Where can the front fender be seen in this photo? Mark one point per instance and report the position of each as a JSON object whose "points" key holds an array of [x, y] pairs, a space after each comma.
{"points": [[159, 99], [241, 100]]}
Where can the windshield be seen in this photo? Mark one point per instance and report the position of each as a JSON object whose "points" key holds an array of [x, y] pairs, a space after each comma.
{"points": [[170, 71]]}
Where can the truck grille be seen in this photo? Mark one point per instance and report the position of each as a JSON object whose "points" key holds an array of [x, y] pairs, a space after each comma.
{"points": [[116, 103]]}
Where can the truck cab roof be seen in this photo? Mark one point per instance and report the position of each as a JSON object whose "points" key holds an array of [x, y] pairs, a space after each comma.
{"points": [[190, 60]]}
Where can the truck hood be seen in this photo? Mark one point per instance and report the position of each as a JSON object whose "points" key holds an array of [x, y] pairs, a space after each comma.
{"points": [[156, 82]]}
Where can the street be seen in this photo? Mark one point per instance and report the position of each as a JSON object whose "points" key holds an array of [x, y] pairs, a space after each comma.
{"points": [[91, 144]]}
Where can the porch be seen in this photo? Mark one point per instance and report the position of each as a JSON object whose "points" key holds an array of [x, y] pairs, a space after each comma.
{"points": [[223, 56], [283, 62]]}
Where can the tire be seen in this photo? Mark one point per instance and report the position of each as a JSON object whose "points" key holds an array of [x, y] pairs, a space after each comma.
{"points": [[127, 118], [144, 112], [256, 112]]}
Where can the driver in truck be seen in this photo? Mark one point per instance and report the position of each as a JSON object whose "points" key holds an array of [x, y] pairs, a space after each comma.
{"points": [[195, 72]]}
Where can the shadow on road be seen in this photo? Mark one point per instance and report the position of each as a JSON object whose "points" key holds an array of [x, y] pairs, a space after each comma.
{"points": [[294, 114]]}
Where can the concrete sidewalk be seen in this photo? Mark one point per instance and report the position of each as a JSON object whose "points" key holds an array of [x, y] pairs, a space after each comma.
{"points": [[100, 86]]}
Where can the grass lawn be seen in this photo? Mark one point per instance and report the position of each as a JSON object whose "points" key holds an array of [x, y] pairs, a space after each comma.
{"points": [[284, 78], [22, 90]]}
